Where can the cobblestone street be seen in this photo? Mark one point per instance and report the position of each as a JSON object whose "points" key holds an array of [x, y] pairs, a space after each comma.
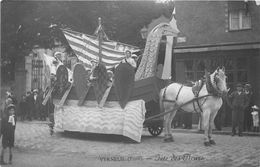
{"points": [[73, 149]]}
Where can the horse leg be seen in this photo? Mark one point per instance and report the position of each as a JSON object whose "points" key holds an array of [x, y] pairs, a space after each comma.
{"points": [[166, 132], [211, 125], [170, 118], [167, 124], [200, 125], [206, 118]]}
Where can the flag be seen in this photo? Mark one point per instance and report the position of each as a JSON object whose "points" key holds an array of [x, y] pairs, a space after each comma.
{"points": [[173, 23], [86, 49]]}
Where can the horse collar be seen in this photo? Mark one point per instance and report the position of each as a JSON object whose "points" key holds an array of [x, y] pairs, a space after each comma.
{"points": [[210, 88]]}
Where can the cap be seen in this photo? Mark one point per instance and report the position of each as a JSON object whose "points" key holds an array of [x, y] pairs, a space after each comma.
{"points": [[57, 53]]}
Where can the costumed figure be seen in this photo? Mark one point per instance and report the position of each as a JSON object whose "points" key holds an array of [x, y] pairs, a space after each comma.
{"points": [[130, 59], [255, 117]]}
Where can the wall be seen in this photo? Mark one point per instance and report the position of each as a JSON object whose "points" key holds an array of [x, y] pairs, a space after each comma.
{"points": [[20, 79], [257, 79], [204, 23]]}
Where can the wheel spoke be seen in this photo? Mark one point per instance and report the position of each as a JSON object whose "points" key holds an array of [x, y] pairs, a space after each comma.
{"points": [[155, 131]]}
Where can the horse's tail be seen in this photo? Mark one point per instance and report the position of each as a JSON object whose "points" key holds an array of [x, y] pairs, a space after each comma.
{"points": [[161, 98]]}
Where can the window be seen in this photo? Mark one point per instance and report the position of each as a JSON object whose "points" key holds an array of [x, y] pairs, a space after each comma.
{"points": [[189, 72], [239, 20], [37, 66]]}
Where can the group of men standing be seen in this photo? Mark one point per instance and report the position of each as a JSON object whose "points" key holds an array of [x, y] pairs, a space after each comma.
{"points": [[30, 106], [241, 103]]}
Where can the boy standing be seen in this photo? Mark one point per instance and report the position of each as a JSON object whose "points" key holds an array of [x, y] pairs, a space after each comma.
{"points": [[8, 130]]}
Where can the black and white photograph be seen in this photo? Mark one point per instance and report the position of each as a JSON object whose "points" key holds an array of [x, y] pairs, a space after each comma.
{"points": [[127, 83]]}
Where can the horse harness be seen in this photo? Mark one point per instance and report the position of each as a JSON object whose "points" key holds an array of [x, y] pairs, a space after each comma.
{"points": [[211, 90], [176, 98], [196, 94]]}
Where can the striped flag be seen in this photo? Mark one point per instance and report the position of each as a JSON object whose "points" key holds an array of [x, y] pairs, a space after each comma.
{"points": [[86, 48]]}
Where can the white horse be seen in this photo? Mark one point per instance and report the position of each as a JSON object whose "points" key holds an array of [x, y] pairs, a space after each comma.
{"points": [[176, 95]]}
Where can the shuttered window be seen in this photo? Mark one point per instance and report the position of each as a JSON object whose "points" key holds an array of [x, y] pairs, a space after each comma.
{"points": [[239, 20]]}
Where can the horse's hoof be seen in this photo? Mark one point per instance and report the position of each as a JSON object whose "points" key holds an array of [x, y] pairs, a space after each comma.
{"points": [[206, 143], [169, 139], [212, 142]]}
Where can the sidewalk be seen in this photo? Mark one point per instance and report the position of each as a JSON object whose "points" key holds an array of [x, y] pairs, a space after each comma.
{"points": [[224, 131]]}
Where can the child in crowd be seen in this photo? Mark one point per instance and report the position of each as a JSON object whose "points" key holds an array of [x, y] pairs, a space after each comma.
{"points": [[7, 130], [255, 118]]}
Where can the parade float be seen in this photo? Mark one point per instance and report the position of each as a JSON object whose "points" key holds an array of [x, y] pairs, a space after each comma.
{"points": [[100, 94]]}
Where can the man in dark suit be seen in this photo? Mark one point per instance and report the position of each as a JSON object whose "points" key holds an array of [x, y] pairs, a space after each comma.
{"points": [[239, 101], [29, 102], [37, 102], [247, 113]]}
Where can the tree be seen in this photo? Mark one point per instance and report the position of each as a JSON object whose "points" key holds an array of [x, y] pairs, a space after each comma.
{"points": [[27, 23]]}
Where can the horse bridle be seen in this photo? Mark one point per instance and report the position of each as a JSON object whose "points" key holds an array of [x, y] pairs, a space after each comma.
{"points": [[214, 90]]}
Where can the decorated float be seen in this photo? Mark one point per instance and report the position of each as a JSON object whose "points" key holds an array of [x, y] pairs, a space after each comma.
{"points": [[105, 94]]}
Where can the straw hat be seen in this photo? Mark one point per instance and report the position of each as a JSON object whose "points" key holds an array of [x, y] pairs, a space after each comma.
{"points": [[247, 86], [35, 91], [134, 56]]}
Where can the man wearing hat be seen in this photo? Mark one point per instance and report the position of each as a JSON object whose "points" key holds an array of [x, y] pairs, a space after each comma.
{"points": [[248, 122], [239, 101]]}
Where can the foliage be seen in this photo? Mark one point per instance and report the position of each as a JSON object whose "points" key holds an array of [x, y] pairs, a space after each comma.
{"points": [[28, 23]]}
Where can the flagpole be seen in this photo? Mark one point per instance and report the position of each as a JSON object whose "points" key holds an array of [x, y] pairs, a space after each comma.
{"points": [[100, 38]]}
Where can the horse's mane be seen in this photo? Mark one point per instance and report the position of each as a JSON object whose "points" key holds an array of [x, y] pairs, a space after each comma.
{"points": [[209, 85]]}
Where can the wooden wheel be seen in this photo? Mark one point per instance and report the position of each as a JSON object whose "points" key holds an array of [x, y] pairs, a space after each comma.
{"points": [[155, 130]]}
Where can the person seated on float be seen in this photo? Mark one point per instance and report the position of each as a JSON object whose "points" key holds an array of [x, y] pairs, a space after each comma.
{"points": [[129, 58], [111, 78], [94, 64]]}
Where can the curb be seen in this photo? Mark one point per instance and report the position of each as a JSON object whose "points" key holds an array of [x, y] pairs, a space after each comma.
{"points": [[214, 132], [194, 130], [35, 122]]}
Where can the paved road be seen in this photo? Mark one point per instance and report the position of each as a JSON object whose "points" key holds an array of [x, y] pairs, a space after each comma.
{"points": [[35, 147]]}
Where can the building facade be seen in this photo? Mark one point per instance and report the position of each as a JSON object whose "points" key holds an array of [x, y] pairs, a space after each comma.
{"points": [[219, 33]]}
